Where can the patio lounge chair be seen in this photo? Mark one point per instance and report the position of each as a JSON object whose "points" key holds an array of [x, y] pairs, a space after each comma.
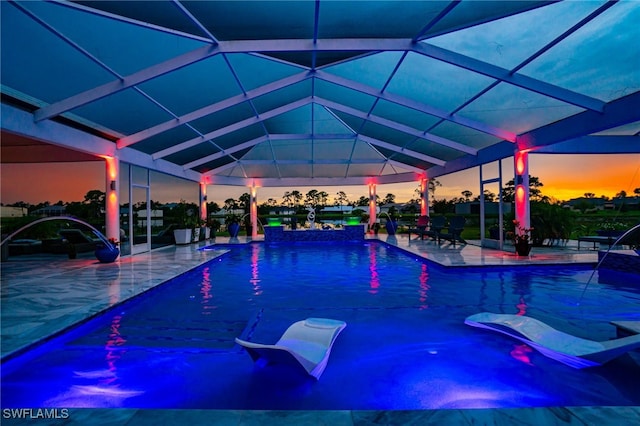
{"points": [[421, 225], [456, 226], [81, 242], [436, 227], [571, 350], [305, 344]]}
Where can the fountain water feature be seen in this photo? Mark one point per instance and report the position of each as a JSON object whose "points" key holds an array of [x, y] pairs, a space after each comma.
{"points": [[393, 225], [109, 246], [617, 242], [258, 220]]}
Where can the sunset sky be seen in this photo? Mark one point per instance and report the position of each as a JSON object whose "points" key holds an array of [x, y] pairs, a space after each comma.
{"points": [[563, 176]]}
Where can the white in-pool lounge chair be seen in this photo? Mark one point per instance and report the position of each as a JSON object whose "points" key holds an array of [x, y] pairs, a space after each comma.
{"points": [[306, 344], [563, 347]]}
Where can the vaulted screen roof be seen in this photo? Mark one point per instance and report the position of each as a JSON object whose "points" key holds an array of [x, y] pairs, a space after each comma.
{"points": [[305, 92]]}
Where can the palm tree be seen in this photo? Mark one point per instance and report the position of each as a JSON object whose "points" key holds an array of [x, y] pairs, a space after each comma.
{"points": [[509, 189], [389, 199], [230, 204], [341, 199]]}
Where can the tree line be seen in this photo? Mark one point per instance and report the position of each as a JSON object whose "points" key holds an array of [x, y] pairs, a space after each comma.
{"points": [[92, 206]]}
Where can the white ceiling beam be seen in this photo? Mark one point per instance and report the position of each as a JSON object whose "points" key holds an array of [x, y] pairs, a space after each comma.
{"points": [[310, 162], [259, 140], [211, 109], [616, 144], [397, 126], [418, 106], [295, 45], [619, 112], [401, 150], [131, 80], [498, 13], [21, 122], [423, 48], [225, 152], [568, 132], [313, 181], [302, 136], [66, 39], [219, 169], [401, 165], [232, 128], [114, 17], [444, 12], [507, 76], [193, 19]]}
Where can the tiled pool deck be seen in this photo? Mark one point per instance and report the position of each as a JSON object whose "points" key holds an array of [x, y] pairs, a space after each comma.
{"points": [[41, 297]]}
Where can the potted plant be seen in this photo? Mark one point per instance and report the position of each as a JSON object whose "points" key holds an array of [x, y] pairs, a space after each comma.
{"points": [[214, 226], [184, 232], [205, 230], [521, 237], [391, 225], [494, 232], [233, 225], [611, 229], [107, 253], [195, 230]]}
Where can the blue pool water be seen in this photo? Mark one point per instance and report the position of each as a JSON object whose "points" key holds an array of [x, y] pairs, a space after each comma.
{"points": [[405, 346]]}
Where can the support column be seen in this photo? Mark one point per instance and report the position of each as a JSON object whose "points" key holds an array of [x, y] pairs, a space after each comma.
{"points": [[521, 184], [253, 210], [112, 202], [203, 206], [424, 197], [372, 205], [203, 202]]}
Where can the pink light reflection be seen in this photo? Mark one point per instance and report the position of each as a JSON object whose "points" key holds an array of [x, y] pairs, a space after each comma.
{"points": [[255, 273], [424, 286], [522, 307], [205, 292], [374, 283], [113, 346], [521, 353]]}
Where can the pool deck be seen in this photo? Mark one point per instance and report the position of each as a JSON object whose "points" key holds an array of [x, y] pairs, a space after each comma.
{"points": [[42, 296]]}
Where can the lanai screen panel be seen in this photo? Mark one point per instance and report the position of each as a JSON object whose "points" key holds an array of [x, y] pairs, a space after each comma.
{"points": [[291, 91]]}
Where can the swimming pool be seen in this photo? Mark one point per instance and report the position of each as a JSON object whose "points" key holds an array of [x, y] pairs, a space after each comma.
{"points": [[405, 345]]}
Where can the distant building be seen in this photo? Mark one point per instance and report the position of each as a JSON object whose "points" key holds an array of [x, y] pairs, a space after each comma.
{"points": [[157, 219], [337, 209], [281, 211], [7, 211], [584, 203], [50, 211]]}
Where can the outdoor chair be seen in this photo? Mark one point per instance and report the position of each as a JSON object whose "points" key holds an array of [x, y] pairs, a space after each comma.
{"points": [[435, 229], [456, 226], [566, 348], [79, 240], [305, 346], [421, 226]]}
